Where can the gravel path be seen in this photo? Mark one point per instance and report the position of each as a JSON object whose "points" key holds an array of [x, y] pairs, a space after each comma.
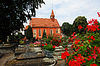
{"points": [[5, 57]]}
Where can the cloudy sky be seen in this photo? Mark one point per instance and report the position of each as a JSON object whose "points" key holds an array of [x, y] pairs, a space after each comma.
{"points": [[68, 10]]}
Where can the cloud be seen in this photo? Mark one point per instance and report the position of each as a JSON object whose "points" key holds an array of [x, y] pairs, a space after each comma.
{"points": [[68, 10]]}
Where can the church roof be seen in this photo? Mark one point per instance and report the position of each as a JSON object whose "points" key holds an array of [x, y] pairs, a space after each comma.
{"points": [[43, 22]]}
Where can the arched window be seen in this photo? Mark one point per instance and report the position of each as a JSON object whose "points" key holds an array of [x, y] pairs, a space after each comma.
{"points": [[39, 32], [44, 30], [51, 32], [56, 30], [34, 33], [34, 30]]}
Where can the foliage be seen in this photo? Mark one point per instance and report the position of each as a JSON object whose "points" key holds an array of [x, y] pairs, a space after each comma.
{"points": [[21, 42], [32, 40], [64, 42], [67, 28], [44, 34], [49, 47], [19, 36], [50, 37], [55, 41], [80, 20], [87, 47], [29, 33], [14, 13]]}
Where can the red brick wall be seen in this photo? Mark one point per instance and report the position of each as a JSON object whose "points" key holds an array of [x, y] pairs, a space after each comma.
{"points": [[47, 32]]}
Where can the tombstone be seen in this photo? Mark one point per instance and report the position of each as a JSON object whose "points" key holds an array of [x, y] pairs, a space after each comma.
{"points": [[58, 51], [31, 59]]}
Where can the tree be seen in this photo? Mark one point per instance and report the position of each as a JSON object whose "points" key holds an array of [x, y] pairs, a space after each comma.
{"points": [[80, 20], [29, 33], [66, 28], [44, 34], [14, 13]]}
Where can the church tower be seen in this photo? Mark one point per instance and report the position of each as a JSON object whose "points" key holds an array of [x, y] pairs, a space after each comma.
{"points": [[52, 16]]}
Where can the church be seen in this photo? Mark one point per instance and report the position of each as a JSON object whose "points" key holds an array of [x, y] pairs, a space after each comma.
{"points": [[49, 25]]}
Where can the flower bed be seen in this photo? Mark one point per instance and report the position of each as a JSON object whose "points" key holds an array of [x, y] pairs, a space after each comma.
{"points": [[87, 46]]}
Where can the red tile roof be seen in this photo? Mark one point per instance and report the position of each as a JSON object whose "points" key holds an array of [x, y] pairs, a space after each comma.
{"points": [[43, 22]]}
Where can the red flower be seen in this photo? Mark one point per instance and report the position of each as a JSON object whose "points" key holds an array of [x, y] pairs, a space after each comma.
{"points": [[63, 56], [42, 44], [51, 42], [93, 25], [77, 41], [54, 46], [70, 38], [73, 63], [46, 44], [89, 58], [98, 14], [94, 54], [92, 37], [60, 41], [93, 64], [80, 27], [88, 36], [66, 49], [74, 37], [74, 32], [89, 41], [98, 50], [95, 47]]}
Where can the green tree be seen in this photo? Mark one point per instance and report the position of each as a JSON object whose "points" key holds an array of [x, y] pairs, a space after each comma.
{"points": [[44, 34], [14, 13], [80, 20], [29, 33], [67, 28]]}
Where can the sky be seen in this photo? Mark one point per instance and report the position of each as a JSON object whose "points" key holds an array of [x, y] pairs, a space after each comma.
{"points": [[68, 10]]}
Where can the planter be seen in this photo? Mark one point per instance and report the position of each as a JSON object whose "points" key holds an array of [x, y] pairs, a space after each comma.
{"points": [[48, 54]]}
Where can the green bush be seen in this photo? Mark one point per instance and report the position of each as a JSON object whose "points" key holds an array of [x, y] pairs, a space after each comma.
{"points": [[49, 47]]}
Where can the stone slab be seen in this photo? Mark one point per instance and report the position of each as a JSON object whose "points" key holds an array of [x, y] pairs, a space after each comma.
{"points": [[58, 53], [29, 55], [32, 62]]}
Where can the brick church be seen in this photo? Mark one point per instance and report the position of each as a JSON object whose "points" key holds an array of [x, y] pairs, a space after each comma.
{"points": [[49, 25]]}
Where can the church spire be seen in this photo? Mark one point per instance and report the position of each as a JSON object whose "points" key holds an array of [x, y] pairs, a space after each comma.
{"points": [[52, 14]]}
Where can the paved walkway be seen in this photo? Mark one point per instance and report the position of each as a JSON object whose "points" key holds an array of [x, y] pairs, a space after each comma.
{"points": [[5, 57]]}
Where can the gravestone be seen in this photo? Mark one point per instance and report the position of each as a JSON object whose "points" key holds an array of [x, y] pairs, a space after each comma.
{"points": [[31, 59], [58, 51]]}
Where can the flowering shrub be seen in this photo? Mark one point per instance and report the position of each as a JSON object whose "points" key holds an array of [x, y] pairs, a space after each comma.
{"points": [[36, 43], [55, 41], [48, 47], [87, 47]]}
